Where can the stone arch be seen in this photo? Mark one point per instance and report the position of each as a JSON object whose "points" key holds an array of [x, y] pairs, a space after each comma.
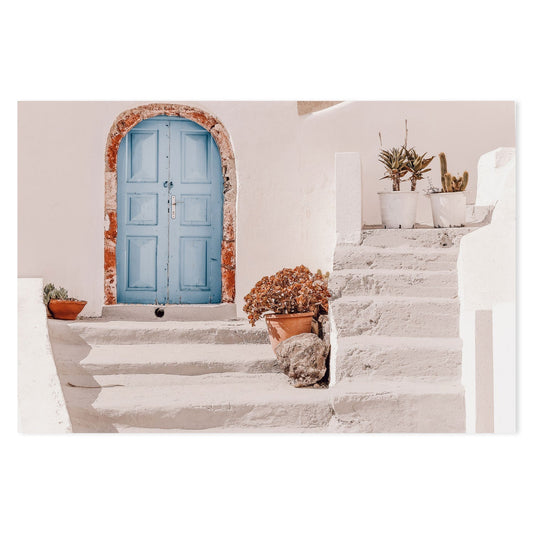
{"points": [[124, 123]]}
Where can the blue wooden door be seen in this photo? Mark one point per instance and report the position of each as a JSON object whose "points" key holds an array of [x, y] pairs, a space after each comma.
{"points": [[169, 212]]}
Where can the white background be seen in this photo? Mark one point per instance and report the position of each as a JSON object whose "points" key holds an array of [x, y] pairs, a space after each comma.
{"points": [[270, 50]]}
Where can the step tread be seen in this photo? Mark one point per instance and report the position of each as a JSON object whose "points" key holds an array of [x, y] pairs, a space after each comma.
{"points": [[397, 250], [102, 323], [396, 299], [144, 391], [395, 272], [152, 391], [177, 353], [186, 359]]}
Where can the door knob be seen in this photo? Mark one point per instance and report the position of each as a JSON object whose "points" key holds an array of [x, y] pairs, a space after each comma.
{"points": [[166, 183]]}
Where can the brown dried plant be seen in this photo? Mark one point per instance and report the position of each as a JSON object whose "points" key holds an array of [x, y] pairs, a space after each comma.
{"points": [[291, 290]]}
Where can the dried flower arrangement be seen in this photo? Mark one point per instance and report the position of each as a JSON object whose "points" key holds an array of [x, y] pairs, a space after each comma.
{"points": [[291, 290]]}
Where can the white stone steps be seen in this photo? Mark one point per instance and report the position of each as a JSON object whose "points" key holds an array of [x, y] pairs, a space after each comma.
{"points": [[183, 359], [358, 282], [414, 238], [194, 402], [266, 402], [97, 332], [351, 256], [396, 316], [398, 357], [398, 406]]}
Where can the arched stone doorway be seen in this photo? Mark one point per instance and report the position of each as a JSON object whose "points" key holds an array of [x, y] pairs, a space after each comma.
{"points": [[125, 122]]}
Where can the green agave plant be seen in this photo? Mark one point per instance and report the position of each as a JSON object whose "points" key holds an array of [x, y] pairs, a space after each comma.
{"points": [[417, 165], [395, 163]]}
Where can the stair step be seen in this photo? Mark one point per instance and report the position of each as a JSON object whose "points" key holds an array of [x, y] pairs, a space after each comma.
{"points": [[265, 402], [368, 405], [396, 316], [194, 402], [97, 332], [398, 357], [189, 312], [183, 359], [416, 237], [352, 256], [355, 282]]}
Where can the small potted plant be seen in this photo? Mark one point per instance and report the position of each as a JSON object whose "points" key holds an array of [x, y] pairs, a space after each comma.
{"points": [[449, 205], [288, 300], [398, 208], [60, 305]]}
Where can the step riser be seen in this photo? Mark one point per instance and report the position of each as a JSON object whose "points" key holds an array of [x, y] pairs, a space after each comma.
{"points": [[395, 318], [359, 258], [353, 361], [441, 285], [416, 238], [393, 413], [94, 336]]}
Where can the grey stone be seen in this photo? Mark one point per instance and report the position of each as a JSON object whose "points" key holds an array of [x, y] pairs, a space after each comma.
{"points": [[323, 321], [303, 359]]}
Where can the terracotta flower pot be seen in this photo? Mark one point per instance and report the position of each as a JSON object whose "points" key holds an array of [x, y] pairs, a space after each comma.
{"points": [[66, 309], [281, 327]]}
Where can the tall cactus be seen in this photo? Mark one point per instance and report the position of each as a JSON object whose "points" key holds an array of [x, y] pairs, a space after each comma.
{"points": [[451, 183]]}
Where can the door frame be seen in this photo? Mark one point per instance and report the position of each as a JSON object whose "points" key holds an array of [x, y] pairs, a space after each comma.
{"points": [[121, 126]]}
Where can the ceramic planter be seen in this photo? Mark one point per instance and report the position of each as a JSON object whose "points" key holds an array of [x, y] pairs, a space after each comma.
{"points": [[281, 327], [398, 209], [66, 309], [449, 209]]}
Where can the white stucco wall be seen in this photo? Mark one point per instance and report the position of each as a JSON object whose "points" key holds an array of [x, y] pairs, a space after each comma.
{"points": [[487, 282], [285, 172], [41, 405]]}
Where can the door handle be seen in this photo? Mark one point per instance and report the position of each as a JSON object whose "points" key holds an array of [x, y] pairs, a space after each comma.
{"points": [[167, 183], [173, 208]]}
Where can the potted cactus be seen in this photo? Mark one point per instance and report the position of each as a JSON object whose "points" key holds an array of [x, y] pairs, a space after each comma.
{"points": [[59, 305], [398, 208], [449, 205], [288, 300]]}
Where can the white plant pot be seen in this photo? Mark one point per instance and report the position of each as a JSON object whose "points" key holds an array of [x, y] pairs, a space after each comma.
{"points": [[449, 209], [398, 209]]}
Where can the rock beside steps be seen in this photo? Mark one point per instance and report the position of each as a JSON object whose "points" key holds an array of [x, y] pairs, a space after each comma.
{"points": [[123, 376]]}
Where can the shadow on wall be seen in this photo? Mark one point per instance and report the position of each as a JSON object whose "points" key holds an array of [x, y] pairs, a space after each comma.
{"points": [[80, 389]]}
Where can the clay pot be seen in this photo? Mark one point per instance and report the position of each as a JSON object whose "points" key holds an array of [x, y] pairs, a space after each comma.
{"points": [[281, 327], [66, 309]]}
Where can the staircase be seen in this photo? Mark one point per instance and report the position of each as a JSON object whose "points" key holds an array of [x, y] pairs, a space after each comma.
{"points": [[395, 362], [396, 351], [134, 376]]}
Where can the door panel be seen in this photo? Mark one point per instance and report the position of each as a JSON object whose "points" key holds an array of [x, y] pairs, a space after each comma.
{"points": [[142, 212], [195, 235], [161, 257], [142, 263]]}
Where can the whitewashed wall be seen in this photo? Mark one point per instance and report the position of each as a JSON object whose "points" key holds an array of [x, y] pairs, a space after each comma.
{"points": [[285, 172], [41, 405], [487, 284]]}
